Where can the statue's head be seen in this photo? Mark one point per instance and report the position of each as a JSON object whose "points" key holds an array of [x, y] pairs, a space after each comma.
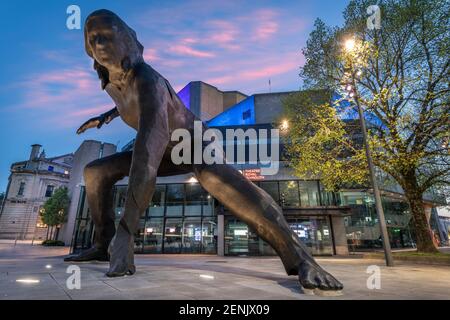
{"points": [[111, 43]]}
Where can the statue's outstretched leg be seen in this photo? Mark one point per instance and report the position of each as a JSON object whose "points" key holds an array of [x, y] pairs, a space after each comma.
{"points": [[100, 176], [255, 207]]}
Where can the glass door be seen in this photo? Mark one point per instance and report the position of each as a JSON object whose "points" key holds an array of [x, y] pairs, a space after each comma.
{"points": [[192, 235], [173, 235]]}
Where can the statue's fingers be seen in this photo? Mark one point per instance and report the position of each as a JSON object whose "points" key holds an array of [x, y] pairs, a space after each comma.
{"points": [[81, 129]]}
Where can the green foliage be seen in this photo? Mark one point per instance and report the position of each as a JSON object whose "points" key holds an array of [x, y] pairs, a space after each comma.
{"points": [[320, 145], [54, 211]]}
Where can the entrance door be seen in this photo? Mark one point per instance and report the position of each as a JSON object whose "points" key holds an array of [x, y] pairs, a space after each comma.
{"points": [[236, 237], [192, 235]]}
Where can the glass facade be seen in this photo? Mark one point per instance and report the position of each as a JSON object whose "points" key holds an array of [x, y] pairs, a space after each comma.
{"points": [[291, 195], [363, 229], [180, 219]]}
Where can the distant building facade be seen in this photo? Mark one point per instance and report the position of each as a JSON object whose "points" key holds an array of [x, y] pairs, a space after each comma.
{"points": [[30, 184], [88, 151]]}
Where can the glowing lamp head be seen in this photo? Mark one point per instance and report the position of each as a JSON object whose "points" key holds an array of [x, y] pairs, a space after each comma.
{"points": [[284, 125], [350, 44]]}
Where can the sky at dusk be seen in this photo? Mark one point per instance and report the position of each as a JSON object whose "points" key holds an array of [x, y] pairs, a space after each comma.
{"points": [[48, 87]]}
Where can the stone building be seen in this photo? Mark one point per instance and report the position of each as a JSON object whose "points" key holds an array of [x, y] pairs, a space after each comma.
{"points": [[30, 184]]}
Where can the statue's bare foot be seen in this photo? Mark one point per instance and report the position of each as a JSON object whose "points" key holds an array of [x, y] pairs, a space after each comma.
{"points": [[92, 254], [312, 276], [120, 271], [122, 255]]}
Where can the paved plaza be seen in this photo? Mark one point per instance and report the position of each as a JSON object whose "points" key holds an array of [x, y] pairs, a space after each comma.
{"points": [[36, 272]]}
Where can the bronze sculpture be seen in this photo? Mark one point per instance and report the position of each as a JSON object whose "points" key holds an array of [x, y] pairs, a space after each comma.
{"points": [[146, 102]]}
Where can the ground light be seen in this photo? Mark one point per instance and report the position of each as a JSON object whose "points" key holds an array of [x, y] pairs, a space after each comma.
{"points": [[28, 281]]}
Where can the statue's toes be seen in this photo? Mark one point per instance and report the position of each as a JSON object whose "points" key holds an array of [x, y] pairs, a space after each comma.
{"points": [[312, 276], [121, 270]]}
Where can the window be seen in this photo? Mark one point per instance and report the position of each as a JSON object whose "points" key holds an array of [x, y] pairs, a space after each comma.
{"points": [[272, 189], [195, 197], [49, 191], [21, 189], [289, 194], [309, 193], [175, 199], [246, 114], [51, 168], [156, 207]]}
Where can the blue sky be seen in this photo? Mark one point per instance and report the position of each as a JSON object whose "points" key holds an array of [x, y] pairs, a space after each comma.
{"points": [[48, 87]]}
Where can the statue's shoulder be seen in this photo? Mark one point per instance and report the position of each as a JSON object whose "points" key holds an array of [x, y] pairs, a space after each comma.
{"points": [[145, 75]]}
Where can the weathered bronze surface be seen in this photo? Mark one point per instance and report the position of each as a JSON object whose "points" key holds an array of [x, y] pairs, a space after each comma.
{"points": [[146, 102]]}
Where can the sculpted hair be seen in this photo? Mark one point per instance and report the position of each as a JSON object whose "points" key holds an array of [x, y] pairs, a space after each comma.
{"points": [[128, 35]]}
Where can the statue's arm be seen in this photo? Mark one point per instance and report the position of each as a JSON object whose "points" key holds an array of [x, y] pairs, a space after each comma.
{"points": [[98, 122], [151, 142], [110, 115]]}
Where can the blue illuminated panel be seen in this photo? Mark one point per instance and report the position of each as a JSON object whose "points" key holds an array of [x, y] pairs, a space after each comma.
{"points": [[242, 113], [348, 111], [185, 95]]}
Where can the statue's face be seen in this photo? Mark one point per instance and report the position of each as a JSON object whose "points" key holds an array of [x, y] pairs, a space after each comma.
{"points": [[104, 39]]}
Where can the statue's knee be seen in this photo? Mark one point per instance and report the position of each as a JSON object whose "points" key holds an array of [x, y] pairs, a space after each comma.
{"points": [[92, 172]]}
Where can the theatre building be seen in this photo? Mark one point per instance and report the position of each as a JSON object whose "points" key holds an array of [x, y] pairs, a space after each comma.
{"points": [[183, 218]]}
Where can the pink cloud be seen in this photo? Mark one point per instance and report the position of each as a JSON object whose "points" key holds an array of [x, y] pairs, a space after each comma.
{"points": [[265, 30], [255, 73], [151, 54], [185, 50], [263, 24], [67, 97]]}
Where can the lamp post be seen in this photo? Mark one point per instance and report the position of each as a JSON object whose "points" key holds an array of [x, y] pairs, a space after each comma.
{"points": [[349, 46]]}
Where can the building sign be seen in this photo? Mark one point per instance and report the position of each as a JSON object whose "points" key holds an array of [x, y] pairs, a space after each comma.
{"points": [[18, 201], [253, 174]]}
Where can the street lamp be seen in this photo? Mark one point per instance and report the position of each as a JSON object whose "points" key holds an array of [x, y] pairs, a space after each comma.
{"points": [[350, 46]]}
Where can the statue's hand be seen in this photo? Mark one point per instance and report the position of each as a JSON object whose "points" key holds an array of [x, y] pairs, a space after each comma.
{"points": [[92, 123]]}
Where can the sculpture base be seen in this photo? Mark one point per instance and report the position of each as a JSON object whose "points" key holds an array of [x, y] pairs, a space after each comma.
{"points": [[322, 293]]}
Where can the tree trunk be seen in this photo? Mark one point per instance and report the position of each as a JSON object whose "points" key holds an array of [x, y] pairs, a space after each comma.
{"points": [[420, 223], [48, 229]]}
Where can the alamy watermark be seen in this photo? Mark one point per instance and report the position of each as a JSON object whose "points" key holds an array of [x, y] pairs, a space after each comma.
{"points": [[73, 21], [374, 19], [374, 280], [74, 280], [260, 142]]}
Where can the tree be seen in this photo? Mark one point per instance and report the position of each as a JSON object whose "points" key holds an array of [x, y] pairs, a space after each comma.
{"points": [[54, 211], [400, 74], [320, 144]]}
